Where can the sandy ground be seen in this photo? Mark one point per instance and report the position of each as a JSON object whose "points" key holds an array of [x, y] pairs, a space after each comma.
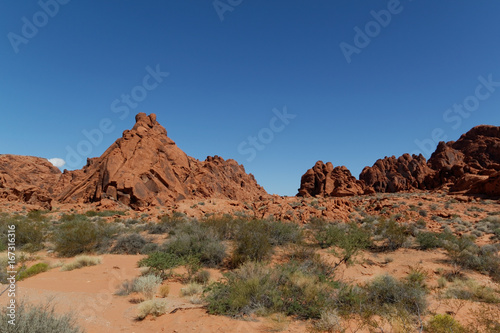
{"points": [[89, 294]]}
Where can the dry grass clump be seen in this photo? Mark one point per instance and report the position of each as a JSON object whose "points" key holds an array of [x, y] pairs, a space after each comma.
{"points": [[192, 289], [154, 307], [81, 261], [147, 285], [38, 318]]}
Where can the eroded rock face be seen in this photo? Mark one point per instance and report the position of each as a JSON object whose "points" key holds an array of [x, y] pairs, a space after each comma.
{"points": [[392, 174], [326, 181], [146, 168], [28, 179], [469, 160]]}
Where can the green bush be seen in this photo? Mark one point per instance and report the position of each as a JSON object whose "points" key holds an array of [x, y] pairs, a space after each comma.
{"points": [[385, 293], [30, 230], [33, 270], [349, 238], [393, 234], [77, 234], [162, 263], [465, 253], [429, 240], [444, 323], [38, 318], [129, 244], [252, 243], [255, 288], [282, 233], [195, 240]]}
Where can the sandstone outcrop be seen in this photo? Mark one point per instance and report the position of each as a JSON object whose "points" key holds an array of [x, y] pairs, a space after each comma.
{"points": [[28, 179], [146, 168], [326, 181], [392, 174]]}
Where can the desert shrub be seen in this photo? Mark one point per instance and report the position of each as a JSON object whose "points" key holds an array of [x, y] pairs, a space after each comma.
{"points": [[470, 290], [308, 261], [422, 212], [166, 224], [226, 226], [76, 235], [150, 248], [202, 277], [33, 270], [194, 240], [104, 213], [465, 253], [192, 289], [255, 288], [147, 285], [385, 293], [126, 288], [164, 290], [80, 262], [329, 322], [281, 233], [162, 263], [252, 243], [443, 323], [393, 234], [38, 318], [129, 244], [348, 238], [428, 240], [154, 307], [30, 230]]}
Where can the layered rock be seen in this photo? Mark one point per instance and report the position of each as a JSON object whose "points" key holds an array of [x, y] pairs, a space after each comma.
{"points": [[391, 174], [28, 179], [146, 168], [327, 181]]}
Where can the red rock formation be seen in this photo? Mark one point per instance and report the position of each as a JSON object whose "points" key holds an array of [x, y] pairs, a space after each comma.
{"points": [[462, 162], [146, 168], [28, 179], [327, 181], [394, 175]]}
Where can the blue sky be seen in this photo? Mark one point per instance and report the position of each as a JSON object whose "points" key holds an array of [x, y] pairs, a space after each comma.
{"points": [[412, 61]]}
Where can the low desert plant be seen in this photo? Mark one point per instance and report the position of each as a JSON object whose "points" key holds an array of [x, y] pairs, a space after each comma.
{"points": [[38, 318], [129, 244], [329, 322], [154, 307], [471, 290], [77, 234], [192, 289], [164, 290], [252, 243], [444, 323], [81, 261], [385, 293], [147, 285], [33, 270]]}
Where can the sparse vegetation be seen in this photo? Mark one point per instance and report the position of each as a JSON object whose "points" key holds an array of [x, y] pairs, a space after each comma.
{"points": [[147, 285], [80, 262], [33, 270], [154, 307], [38, 318]]}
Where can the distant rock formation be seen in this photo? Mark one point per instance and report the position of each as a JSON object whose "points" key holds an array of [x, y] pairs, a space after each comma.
{"points": [[392, 174], [146, 168], [326, 181], [469, 165], [28, 179]]}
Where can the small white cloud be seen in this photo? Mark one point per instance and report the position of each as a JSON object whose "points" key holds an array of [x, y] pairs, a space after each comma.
{"points": [[57, 162]]}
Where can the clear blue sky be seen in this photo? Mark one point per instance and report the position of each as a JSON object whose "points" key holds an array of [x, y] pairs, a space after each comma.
{"points": [[227, 76]]}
